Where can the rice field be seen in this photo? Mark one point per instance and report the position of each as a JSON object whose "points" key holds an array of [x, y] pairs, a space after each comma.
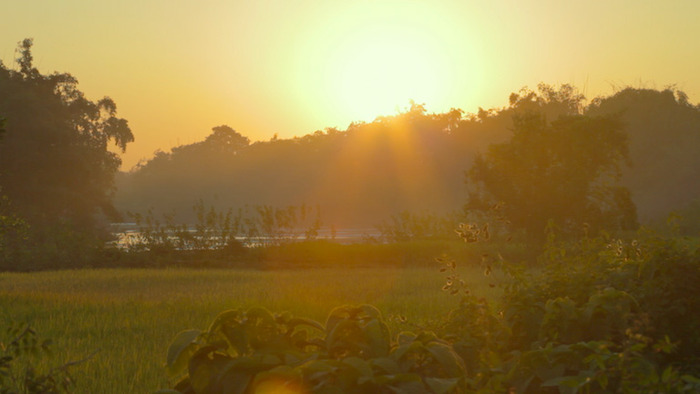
{"points": [[129, 316]]}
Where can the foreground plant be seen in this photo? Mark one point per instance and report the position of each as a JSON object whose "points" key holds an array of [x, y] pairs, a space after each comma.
{"points": [[21, 352], [598, 316], [256, 351]]}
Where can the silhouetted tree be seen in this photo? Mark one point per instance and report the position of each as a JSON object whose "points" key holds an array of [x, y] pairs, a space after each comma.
{"points": [[664, 135], [562, 171], [227, 139], [57, 170]]}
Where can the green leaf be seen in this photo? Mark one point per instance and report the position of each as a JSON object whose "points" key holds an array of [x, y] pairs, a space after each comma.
{"points": [[441, 386], [297, 321], [378, 337], [261, 313], [690, 379], [386, 365], [450, 361], [280, 377], [371, 311], [360, 365], [407, 384], [337, 315], [206, 368], [235, 382], [405, 337], [224, 318], [181, 349]]}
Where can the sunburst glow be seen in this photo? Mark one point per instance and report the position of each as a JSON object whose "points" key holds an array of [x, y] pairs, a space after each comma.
{"points": [[380, 71]]}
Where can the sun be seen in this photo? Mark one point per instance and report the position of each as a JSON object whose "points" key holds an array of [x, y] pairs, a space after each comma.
{"points": [[371, 59], [382, 71]]}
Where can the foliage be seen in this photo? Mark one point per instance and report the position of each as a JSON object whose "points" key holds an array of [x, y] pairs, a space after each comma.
{"points": [[131, 315], [690, 219], [365, 172], [255, 351], [601, 315], [225, 233], [561, 171], [13, 234], [20, 352], [408, 226], [664, 131], [56, 169], [370, 170]]}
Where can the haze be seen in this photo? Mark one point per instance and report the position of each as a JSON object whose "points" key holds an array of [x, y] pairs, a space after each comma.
{"points": [[177, 69]]}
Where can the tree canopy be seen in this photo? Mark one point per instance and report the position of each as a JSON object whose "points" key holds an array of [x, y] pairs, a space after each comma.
{"points": [[55, 165], [415, 160], [562, 170], [664, 136]]}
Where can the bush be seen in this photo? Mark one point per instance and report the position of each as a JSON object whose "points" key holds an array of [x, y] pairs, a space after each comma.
{"points": [[256, 351], [597, 315]]}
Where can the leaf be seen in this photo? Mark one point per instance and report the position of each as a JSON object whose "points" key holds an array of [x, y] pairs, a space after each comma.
{"points": [[450, 361], [405, 337], [399, 352], [235, 382], [337, 315], [408, 384], [297, 321], [386, 364], [359, 365], [260, 313], [224, 318], [344, 335], [371, 311], [441, 386], [206, 368], [180, 350], [378, 337], [280, 377]]}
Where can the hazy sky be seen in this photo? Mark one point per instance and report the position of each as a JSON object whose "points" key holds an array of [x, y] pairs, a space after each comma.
{"points": [[178, 68]]}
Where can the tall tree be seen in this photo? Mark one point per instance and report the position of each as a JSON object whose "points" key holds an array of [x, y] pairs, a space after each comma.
{"points": [[56, 165], [664, 134], [562, 171]]}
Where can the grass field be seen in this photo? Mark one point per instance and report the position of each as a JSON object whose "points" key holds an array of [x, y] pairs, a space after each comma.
{"points": [[130, 315]]}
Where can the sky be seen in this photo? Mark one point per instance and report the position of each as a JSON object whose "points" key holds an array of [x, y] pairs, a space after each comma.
{"points": [[176, 69]]}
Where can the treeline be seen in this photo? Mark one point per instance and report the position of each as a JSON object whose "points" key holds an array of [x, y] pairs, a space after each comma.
{"points": [[547, 160], [415, 161]]}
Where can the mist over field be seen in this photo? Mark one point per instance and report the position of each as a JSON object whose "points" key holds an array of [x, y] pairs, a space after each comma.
{"points": [[413, 161]]}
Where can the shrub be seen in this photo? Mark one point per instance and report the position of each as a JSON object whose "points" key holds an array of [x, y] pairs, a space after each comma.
{"points": [[598, 315], [245, 351]]}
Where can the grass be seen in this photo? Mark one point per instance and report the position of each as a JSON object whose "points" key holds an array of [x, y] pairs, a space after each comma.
{"points": [[130, 315]]}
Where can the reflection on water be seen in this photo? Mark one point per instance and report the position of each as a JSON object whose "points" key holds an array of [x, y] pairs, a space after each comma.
{"points": [[129, 235]]}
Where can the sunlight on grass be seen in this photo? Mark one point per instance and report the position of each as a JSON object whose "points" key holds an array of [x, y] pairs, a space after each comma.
{"points": [[130, 316]]}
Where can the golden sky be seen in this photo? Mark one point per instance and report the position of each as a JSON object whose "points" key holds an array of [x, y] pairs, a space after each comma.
{"points": [[178, 68]]}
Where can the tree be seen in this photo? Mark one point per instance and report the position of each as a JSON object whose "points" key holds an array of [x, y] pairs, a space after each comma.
{"points": [[664, 134], [56, 168], [226, 139], [562, 171]]}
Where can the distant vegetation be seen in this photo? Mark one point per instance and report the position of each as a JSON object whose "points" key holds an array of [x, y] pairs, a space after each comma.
{"points": [[416, 162], [546, 194], [545, 159]]}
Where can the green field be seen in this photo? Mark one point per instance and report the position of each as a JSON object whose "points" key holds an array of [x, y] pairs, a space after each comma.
{"points": [[130, 315]]}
